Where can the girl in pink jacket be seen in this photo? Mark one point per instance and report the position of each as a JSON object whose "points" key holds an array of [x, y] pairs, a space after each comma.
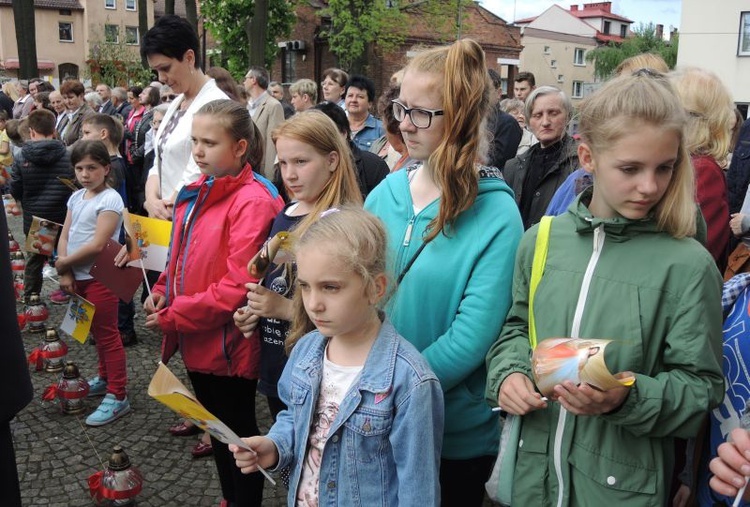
{"points": [[220, 221]]}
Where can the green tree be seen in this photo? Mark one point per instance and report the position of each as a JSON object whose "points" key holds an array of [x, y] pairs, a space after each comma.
{"points": [[358, 25], [115, 64], [607, 58], [247, 31], [23, 16]]}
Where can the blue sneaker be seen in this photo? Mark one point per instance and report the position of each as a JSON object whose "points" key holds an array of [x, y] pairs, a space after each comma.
{"points": [[97, 386], [110, 410]]}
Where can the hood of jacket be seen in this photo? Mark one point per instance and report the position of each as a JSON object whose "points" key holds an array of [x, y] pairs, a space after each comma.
{"points": [[220, 187], [44, 152], [397, 184]]}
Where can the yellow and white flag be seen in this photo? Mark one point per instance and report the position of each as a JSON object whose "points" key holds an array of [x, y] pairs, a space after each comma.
{"points": [[78, 316], [152, 238]]}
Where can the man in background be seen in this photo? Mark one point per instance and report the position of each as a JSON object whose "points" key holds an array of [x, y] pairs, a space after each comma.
{"points": [[523, 85], [266, 112]]}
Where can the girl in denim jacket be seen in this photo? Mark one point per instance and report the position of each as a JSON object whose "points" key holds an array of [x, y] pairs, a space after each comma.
{"points": [[364, 422]]}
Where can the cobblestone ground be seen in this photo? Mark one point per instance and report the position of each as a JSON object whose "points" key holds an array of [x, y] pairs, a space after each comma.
{"points": [[56, 453]]}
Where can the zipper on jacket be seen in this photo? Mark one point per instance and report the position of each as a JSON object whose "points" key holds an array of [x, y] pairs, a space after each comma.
{"points": [[575, 332], [409, 228]]}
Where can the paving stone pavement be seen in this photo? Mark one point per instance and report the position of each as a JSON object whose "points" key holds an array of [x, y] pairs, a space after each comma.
{"points": [[56, 453]]}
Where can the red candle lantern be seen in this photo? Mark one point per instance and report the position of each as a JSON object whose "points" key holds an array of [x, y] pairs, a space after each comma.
{"points": [[71, 390], [17, 263], [36, 314], [50, 355], [119, 484]]}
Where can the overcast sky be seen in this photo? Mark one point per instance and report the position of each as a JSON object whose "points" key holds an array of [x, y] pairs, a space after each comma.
{"points": [[666, 12]]}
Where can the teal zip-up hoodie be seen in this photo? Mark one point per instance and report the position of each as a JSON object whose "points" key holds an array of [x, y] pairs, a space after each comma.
{"points": [[659, 299], [452, 302]]}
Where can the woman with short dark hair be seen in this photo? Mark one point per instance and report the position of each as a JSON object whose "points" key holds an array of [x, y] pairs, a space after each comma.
{"points": [[172, 49]]}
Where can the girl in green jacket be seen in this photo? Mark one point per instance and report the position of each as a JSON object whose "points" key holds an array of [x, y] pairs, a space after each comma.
{"points": [[621, 266]]}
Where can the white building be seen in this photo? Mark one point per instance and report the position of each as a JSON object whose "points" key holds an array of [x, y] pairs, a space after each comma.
{"points": [[555, 44], [717, 37]]}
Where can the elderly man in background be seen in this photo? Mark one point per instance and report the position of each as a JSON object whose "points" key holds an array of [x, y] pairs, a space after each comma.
{"points": [[535, 175], [119, 100], [58, 104], [25, 102], [277, 92], [105, 92], [266, 112]]}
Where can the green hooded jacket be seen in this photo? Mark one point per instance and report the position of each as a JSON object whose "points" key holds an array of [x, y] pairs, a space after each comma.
{"points": [[659, 299]]}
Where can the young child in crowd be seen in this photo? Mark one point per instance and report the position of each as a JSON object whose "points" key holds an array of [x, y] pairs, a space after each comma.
{"points": [[35, 184], [107, 129], [316, 166], [219, 223], [374, 404], [644, 283], [94, 217], [18, 134]]}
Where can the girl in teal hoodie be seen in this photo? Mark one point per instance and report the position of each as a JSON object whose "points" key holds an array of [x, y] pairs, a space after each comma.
{"points": [[453, 229]]}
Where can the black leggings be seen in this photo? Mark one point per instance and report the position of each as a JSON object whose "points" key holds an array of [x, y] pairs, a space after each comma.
{"points": [[462, 481], [231, 399]]}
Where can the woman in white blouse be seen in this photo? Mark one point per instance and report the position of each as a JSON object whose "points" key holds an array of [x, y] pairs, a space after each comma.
{"points": [[172, 49]]}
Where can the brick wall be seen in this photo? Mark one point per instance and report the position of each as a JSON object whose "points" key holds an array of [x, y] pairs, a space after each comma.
{"points": [[497, 38]]}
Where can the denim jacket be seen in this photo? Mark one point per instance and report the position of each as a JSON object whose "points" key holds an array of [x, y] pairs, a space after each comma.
{"points": [[371, 131], [384, 446]]}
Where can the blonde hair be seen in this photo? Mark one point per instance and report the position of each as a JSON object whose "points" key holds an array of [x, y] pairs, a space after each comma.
{"points": [[9, 89], [621, 107], [465, 90], [305, 87], [642, 61], [710, 112], [358, 241], [318, 131]]}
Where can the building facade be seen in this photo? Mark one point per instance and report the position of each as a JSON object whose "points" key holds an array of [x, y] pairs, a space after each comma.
{"points": [[68, 32], [718, 39], [556, 42], [306, 53]]}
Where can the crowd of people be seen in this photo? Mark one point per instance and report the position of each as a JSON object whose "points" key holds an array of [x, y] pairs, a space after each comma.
{"points": [[394, 338]]}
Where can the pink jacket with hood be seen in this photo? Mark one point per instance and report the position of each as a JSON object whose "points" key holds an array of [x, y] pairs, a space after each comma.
{"points": [[218, 225]]}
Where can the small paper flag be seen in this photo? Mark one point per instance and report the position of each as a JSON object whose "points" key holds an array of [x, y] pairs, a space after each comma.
{"points": [[78, 317], [42, 236], [152, 238]]}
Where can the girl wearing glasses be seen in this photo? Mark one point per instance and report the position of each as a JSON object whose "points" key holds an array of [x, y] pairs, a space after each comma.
{"points": [[453, 230]]}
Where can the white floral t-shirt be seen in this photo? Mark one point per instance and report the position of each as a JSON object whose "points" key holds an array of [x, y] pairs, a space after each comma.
{"points": [[335, 383]]}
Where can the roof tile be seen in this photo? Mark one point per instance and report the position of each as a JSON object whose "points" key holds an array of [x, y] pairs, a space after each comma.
{"points": [[73, 5]]}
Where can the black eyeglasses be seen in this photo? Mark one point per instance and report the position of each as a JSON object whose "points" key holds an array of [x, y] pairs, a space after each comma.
{"points": [[420, 118], [168, 98]]}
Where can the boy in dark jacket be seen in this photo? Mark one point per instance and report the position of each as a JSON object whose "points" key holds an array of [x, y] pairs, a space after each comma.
{"points": [[36, 185]]}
